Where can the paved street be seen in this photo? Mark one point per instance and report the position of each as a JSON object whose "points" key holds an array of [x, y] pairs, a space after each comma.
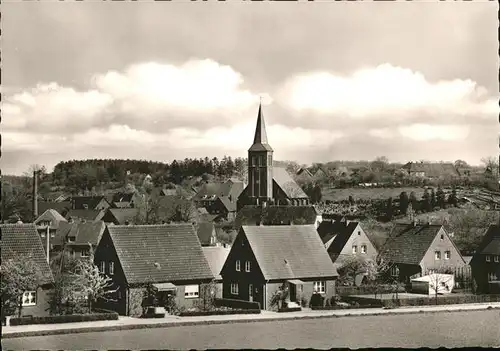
{"points": [[456, 329]]}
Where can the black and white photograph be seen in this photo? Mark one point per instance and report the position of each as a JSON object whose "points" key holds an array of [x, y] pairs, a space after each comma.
{"points": [[249, 174]]}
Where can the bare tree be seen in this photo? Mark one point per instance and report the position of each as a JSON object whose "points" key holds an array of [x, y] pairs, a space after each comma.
{"points": [[441, 280]]}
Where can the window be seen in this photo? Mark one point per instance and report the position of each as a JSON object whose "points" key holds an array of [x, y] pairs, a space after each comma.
{"points": [[253, 160], [363, 249], [437, 255], [234, 289], [29, 298], [447, 255], [247, 266], [269, 160], [111, 268], [102, 267], [238, 266], [191, 291], [442, 236], [71, 239], [394, 271], [354, 249], [488, 258], [262, 160], [496, 258], [359, 232], [42, 235], [85, 253], [86, 206], [492, 277], [320, 287]]}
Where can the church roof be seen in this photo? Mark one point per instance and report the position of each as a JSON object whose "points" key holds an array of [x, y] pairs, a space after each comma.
{"points": [[260, 142]]}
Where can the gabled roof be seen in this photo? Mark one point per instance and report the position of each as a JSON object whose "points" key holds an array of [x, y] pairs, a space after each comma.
{"points": [[61, 207], [91, 201], [88, 215], [216, 257], [123, 196], [434, 170], [23, 239], [122, 204], [289, 252], [408, 243], [159, 253], [287, 184], [85, 233], [205, 231], [341, 231], [226, 192], [123, 215], [304, 171], [260, 142], [490, 245], [51, 215]]}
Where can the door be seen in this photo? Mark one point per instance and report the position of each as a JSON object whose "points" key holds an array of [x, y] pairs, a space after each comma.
{"points": [[293, 292], [250, 292]]}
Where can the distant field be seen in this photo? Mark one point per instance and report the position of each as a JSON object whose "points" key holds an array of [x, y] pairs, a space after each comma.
{"points": [[368, 193]]}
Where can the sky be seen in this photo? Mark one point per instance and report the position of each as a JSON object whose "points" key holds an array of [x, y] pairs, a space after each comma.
{"points": [[161, 81]]}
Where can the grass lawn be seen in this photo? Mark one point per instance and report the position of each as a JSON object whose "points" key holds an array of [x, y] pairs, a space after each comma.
{"points": [[334, 194]]}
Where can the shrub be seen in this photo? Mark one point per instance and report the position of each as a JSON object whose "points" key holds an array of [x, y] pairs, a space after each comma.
{"points": [[327, 303], [237, 304], [65, 319], [335, 300], [317, 300], [303, 301]]}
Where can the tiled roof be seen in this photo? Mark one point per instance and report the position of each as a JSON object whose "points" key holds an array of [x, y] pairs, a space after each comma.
{"points": [[23, 239], [88, 215], [159, 253], [123, 204], [216, 257], [340, 232], [123, 215], [490, 245], [88, 232], [61, 207], [91, 201], [123, 197], [408, 243], [227, 192], [250, 215], [289, 252], [304, 171], [204, 231], [287, 184], [51, 215]]}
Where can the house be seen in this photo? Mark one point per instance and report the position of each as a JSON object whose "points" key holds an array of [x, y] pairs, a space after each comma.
{"points": [[89, 203], [264, 259], [206, 233], [120, 216], [168, 256], [219, 198], [20, 240], [266, 183], [85, 215], [49, 220], [430, 170], [124, 199], [305, 174], [343, 239], [62, 207], [216, 257], [79, 237], [276, 215], [414, 250], [485, 263]]}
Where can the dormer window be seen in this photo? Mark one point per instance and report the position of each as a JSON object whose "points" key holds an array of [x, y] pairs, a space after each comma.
{"points": [[71, 239], [86, 206]]}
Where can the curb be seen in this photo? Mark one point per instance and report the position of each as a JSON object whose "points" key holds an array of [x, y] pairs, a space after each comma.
{"points": [[213, 322]]}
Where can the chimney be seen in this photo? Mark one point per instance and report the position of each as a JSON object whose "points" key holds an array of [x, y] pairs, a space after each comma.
{"points": [[35, 194]]}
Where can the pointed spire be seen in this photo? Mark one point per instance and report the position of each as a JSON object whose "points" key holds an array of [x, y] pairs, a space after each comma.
{"points": [[260, 138]]}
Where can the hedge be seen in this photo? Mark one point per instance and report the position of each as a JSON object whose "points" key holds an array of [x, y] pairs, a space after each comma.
{"points": [[366, 290], [290, 309], [237, 304], [218, 313], [336, 307], [431, 300], [71, 318]]}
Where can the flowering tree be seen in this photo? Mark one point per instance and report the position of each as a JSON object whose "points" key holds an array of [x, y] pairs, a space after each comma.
{"points": [[89, 283], [17, 277]]}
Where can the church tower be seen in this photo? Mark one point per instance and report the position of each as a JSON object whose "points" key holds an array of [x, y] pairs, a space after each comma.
{"points": [[260, 164]]}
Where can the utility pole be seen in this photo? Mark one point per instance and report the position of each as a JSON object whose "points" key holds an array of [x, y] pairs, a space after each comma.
{"points": [[35, 194], [48, 243]]}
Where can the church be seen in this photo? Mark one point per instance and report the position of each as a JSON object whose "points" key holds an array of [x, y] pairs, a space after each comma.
{"points": [[268, 185]]}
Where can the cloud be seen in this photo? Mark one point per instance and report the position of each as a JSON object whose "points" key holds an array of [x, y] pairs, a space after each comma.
{"points": [[385, 90], [424, 132], [150, 96]]}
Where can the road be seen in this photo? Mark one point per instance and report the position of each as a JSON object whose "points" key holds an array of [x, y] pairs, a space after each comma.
{"points": [[455, 329]]}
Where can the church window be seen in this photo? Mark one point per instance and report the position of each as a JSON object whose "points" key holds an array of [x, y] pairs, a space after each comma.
{"points": [[253, 160], [269, 160]]}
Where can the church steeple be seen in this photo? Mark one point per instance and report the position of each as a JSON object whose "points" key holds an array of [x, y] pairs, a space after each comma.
{"points": [[260, 142], [260, 164]]}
